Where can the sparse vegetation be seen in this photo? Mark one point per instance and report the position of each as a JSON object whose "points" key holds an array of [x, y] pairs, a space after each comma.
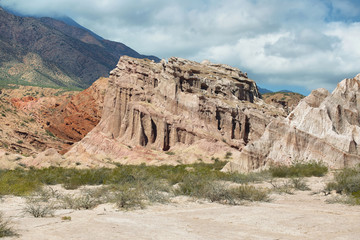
{"points": [[250, 193], [38, 208], [299, 184], [135, 186], [347, 181], [49, 133], [299, 169], [289, 185], [66, 218], [18, 182], [5, 227], [127, 197], [282, 187], [170, 153], [84, 201], [228, 155]]}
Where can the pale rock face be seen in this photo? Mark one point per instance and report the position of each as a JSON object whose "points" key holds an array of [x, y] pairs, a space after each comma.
{"points": [[322, 127], [177, 105]]}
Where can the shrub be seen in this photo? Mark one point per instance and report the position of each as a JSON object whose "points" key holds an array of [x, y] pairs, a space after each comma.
{"points": [[218, 192], [299, 169], [299, 184], [193, 185], [155, 191], [18, 182], [250, 193], [228, 155], [5, 228], [347, 181], [45, 194], [85, 201], [126, 197], [282, 187], [49, 133], [38, 209], [66, 218]]}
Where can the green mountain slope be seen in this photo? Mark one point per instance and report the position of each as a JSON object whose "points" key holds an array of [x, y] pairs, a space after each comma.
{"points": [[51, 53]]}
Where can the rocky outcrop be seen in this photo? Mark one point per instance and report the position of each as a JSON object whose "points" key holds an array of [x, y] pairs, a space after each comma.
{"points": [[71, 118], [35, 118], [322, 127], [286, 100], [151, 108]]}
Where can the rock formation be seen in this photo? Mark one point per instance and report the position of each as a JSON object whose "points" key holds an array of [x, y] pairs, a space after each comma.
{"points": [[150, 108], [20, 131], [67, 115], [322, 127], [71, 118], [286, 100]]}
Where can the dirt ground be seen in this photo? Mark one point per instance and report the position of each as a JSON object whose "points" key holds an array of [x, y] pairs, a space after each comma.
{"points": [[303, 215]]}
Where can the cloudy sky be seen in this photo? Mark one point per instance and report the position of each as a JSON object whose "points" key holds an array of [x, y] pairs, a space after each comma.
{"points": [[282, 44]]}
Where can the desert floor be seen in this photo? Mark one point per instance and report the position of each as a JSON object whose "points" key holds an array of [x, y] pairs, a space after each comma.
{"points": [[303, 215]]}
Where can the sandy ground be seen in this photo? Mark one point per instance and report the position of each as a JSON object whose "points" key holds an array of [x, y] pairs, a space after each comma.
{"points": [[303, 215]]}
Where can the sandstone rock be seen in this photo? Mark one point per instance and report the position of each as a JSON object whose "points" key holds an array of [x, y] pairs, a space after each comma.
{"points": [[153, 108], [20, 131], [71, 118], [9, 160], [67, 115], [48, 158], [322, 127]]}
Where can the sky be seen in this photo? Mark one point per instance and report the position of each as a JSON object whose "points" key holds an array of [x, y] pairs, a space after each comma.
{"points": [[281, 44]]}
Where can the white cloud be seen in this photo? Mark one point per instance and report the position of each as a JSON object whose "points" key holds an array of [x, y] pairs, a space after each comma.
{"points": [[309, 43]]}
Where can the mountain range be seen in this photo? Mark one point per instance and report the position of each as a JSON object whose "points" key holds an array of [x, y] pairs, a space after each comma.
{"points": [[55, 53]]}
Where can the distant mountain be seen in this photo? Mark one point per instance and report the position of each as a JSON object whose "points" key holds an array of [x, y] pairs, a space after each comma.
{"points": [[264, 90], [285, 91], [52, 53], [71, 22]]}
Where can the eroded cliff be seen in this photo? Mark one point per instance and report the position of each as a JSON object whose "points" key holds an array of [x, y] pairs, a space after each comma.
{"points": [[322, 127], [176, 107]]}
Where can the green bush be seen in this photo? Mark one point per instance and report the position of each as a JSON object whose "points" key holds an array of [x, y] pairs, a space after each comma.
{"points": [[299, 169], [18, 182], [219, 192], [250, 193], [346, 181], [132, 186]]}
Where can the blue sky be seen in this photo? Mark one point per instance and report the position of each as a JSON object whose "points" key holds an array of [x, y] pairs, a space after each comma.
{"points": [[282, 44]]}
